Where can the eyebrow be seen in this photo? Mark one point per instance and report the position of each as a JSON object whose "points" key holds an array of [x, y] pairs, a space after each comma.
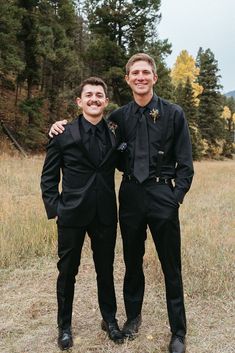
{"points": [[90, 92]]}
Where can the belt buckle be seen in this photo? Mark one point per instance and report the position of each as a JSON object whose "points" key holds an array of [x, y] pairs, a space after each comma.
{"points": [[157, 179]]}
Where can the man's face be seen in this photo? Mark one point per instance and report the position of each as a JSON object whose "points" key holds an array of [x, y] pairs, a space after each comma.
{"points": [[141, 78], [92, 101]]}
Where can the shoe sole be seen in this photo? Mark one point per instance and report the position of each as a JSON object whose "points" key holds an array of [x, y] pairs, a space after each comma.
{"points": [[130, 337], [65, 348]]}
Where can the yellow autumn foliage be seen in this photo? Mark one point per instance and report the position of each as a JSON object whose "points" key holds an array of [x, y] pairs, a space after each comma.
{"points": [[184, 68], [226, 114]]}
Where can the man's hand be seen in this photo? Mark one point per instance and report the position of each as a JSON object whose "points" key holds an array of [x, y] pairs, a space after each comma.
{"points": [[57, 128]]}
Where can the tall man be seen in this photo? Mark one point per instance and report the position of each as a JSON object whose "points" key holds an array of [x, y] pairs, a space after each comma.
{"points": [[86, 155], [158, 171]]}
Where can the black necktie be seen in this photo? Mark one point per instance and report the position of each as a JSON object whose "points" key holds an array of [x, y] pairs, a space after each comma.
{"points": [[141, 159], [94, 148]]}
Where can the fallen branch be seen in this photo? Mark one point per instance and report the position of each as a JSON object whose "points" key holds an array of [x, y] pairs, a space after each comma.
{"points": [[9, 134]]}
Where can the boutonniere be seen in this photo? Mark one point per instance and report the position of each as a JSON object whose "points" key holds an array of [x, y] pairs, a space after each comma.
{"points": [[112, 127], [154, 114]]}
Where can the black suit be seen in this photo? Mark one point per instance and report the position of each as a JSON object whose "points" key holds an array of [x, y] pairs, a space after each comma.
{"points": [[87, 203], [154, 204]]}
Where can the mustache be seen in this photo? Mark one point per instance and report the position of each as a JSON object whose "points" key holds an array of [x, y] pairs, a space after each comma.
{"points": [[94, 102]]}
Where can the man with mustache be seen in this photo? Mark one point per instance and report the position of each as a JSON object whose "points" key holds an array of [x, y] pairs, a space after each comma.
{"points": [[86, 155], [158, 171]]}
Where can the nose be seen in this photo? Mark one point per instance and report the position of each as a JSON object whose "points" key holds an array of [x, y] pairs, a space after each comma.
{"points": [[140, 76]]}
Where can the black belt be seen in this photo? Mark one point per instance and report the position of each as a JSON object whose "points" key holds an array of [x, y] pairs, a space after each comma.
{"points": [[132, 179]]}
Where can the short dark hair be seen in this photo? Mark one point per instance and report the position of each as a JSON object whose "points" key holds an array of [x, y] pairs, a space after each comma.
{"points": [[94, 81], [141, 57]]}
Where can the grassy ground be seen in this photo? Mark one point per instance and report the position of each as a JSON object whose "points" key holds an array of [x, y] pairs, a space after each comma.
{"points": [[28, 270]]}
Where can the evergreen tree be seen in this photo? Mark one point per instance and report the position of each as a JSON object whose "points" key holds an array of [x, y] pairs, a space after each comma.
{"points": [[185, 98], [62, 68], [28, 35], [51, 61], [228, 116], [210, 107], [48, 46], [10, 52]]}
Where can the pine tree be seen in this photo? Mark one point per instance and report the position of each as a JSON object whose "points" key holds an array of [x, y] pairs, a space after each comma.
{"points": [[185, 98], [51, 61], [228, 116], [28, 35], [10, 52], [210, 107]]}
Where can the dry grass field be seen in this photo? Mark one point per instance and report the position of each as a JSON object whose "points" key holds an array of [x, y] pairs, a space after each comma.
{"points": [[28, 270]]}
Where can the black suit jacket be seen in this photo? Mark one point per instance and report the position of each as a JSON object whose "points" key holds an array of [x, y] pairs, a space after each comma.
{"points": [[87, 190]]}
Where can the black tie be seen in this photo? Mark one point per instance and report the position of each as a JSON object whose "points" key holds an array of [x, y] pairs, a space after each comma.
{"points": [[94, 148], [141, 160]]}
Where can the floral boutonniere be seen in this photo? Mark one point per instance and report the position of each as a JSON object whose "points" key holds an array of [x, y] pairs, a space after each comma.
{"points": [[154, 114], [112, 127]]}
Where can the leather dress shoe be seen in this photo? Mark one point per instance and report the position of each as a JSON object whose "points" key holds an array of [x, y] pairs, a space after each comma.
{"points": [[177, 344], [113, 331], [131, 327], [65, 339]]}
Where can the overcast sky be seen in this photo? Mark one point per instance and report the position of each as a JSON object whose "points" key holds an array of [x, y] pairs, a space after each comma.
{"points": [[190, 24]]}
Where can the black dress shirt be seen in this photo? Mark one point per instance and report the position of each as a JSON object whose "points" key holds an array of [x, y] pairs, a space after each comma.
{"points": [[103, 140], [177, 163]]}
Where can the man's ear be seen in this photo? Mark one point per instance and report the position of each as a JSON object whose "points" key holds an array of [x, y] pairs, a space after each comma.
{"points": [[127, 79], [155, 78], [106, 102], [79, 102]]}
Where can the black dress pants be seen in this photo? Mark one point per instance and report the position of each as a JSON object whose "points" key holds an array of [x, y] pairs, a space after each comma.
{"points": [[154, 205], [70, 242]]}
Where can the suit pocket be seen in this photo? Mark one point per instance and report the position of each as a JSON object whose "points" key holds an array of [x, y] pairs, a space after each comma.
{"points": [[172, 195]]}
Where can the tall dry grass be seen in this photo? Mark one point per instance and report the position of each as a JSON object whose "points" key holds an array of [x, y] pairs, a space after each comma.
{"points": [[24, 229]]}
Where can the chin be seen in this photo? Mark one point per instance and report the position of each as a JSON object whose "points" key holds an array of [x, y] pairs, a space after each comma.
{"points": [[142, 92]]}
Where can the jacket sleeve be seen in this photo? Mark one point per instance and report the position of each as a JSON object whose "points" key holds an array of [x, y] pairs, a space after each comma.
{"points": [[50, 178], [183, 156]]}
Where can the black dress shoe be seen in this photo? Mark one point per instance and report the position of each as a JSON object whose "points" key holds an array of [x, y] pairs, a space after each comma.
{"points": [[131, 327], [113, 331], [177, 344], [65, 339]]}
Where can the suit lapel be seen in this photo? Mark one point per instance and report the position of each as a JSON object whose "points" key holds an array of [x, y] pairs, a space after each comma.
{"points": [[76, 134]]}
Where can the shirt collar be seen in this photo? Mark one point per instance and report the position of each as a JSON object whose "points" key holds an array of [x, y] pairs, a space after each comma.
{"points": [[151, 105], [87, 125]]}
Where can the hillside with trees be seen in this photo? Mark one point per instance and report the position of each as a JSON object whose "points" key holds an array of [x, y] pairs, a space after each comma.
{"points": [[47, 47]]}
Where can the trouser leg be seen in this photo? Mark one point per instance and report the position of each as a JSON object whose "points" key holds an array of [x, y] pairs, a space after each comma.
{"points": [[166, 236], [134, 282], [132, 210], [103, 240], [70, 242]]}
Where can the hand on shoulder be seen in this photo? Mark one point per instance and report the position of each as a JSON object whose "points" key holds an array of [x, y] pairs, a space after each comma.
{"points": [[57, 128]]}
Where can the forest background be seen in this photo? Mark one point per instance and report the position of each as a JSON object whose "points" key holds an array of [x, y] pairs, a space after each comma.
{"points": [[47, 47]]}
